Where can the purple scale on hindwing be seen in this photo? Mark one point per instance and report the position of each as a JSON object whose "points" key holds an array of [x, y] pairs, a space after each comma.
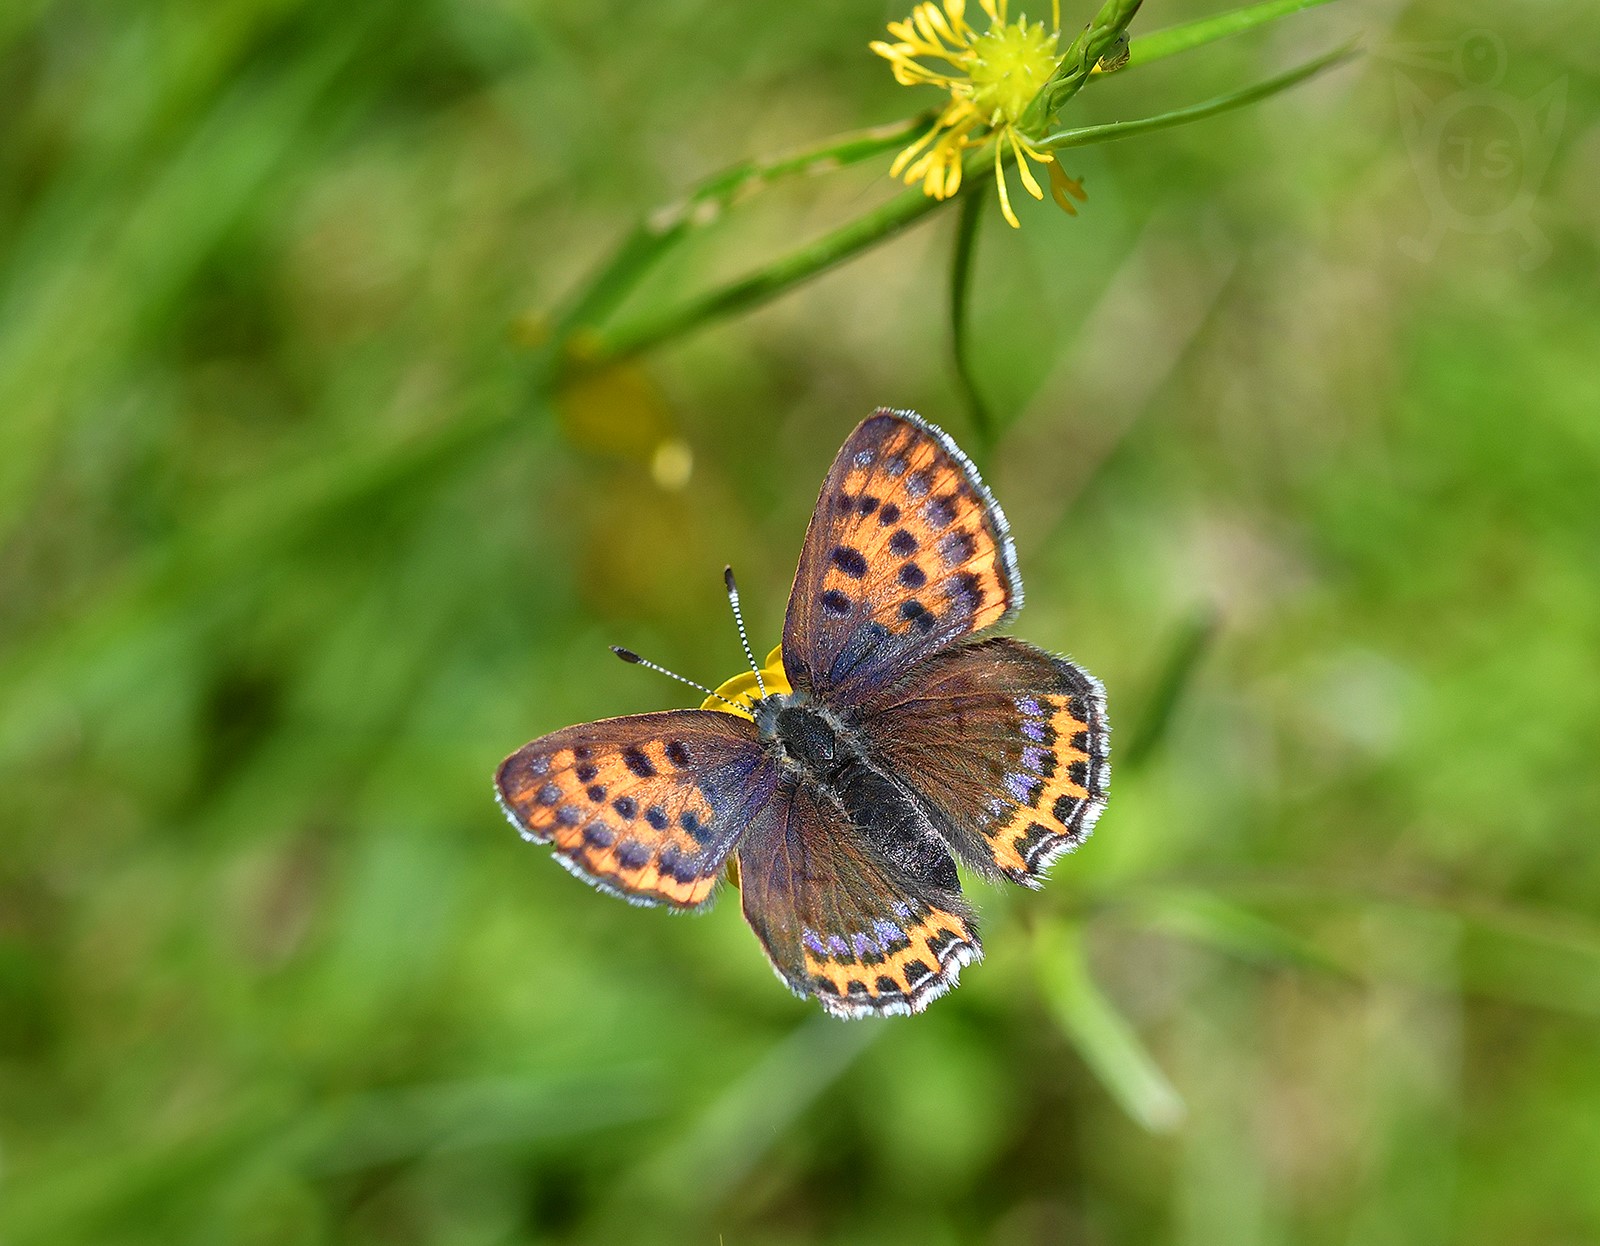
{"points": [[1024, 788], [888, 933]]}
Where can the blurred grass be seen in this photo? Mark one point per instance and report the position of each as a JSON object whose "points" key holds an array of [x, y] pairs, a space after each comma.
{"points": [[290, 557]]}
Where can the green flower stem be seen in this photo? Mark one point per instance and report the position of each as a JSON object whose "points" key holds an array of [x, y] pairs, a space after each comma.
{"points": [[1175, 39], [972, 200], [1085, 135], [704, 205], [809, 261]]}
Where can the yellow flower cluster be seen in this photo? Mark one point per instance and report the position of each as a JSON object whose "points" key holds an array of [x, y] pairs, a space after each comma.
{"points": [[991, 78]]}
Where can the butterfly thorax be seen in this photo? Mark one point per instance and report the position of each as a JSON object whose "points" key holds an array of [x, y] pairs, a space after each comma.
{"points": [[809, 738], [817, 747]]}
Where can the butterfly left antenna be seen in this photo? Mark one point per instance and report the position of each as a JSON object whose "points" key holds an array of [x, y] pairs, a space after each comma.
{"points": [[744, 639], [628, 655]]}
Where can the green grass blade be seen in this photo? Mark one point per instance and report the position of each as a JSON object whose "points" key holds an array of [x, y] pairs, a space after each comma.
{"points": [[1183, 661], [1112, 131], [1103, 1036], [1175, 39]]}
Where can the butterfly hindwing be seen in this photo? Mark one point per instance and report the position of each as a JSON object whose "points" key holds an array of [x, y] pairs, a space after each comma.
{"points": [[907, 553], [839, 920], [1007, 744], [647, 806]]}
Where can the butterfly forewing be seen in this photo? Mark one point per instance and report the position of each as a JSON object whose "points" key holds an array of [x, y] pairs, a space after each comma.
{"points": [[907, 553], [838, 921], [647, 806], [1007, 744]]}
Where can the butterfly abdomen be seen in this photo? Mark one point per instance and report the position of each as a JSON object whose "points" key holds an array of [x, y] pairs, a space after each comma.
{"points": [[896, 824]]}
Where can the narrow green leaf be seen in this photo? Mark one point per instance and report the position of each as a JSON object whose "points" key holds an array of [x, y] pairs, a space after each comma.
{"points": [[1103, 1036], [1177, 672], [779, 276], [706, 203], [960, 289], [1175, 39], [1110, 132]]}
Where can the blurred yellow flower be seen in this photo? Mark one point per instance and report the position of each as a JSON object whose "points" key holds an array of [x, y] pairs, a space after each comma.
{"points": [[743, 689], [991, 77]]}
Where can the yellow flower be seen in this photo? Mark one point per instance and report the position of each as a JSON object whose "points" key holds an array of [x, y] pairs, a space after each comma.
{"points": [[991, 77], [743, 690]]}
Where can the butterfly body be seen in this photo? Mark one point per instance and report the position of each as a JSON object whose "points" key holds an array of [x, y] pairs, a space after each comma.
{"points": [[908, 742], [816, 748]]}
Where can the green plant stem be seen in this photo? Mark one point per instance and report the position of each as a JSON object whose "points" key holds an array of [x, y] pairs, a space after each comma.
{"points": [[705, 204], [774, 278], [967, 222], [1085, 135], [1174, 39]]}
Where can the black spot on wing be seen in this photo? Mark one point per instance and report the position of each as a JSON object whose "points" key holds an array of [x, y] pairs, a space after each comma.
{"points": [[850, 561], [957, 548], [836, 603], [941, 512], [697, 830], [918, 615], [631, 854], [634, 758], [965, 591]]}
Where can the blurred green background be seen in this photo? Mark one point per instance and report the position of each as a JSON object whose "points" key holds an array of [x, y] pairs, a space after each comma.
{"points": [[1301, 461]]}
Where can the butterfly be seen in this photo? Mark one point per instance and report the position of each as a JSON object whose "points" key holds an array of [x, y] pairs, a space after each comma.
{"points": [[908, 741]]}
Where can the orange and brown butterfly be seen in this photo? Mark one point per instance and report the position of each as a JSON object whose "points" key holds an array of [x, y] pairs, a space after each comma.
{"points": [[893, 740]]}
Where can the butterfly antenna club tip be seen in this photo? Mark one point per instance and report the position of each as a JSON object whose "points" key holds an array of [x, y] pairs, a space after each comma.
{"points": [[744, 638], [628, 655]]}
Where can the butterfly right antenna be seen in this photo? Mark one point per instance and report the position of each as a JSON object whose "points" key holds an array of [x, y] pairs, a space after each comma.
{"points": [[744, 639]]}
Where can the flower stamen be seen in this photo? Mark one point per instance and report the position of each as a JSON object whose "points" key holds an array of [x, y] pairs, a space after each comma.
{"points": [[991, 78]]}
